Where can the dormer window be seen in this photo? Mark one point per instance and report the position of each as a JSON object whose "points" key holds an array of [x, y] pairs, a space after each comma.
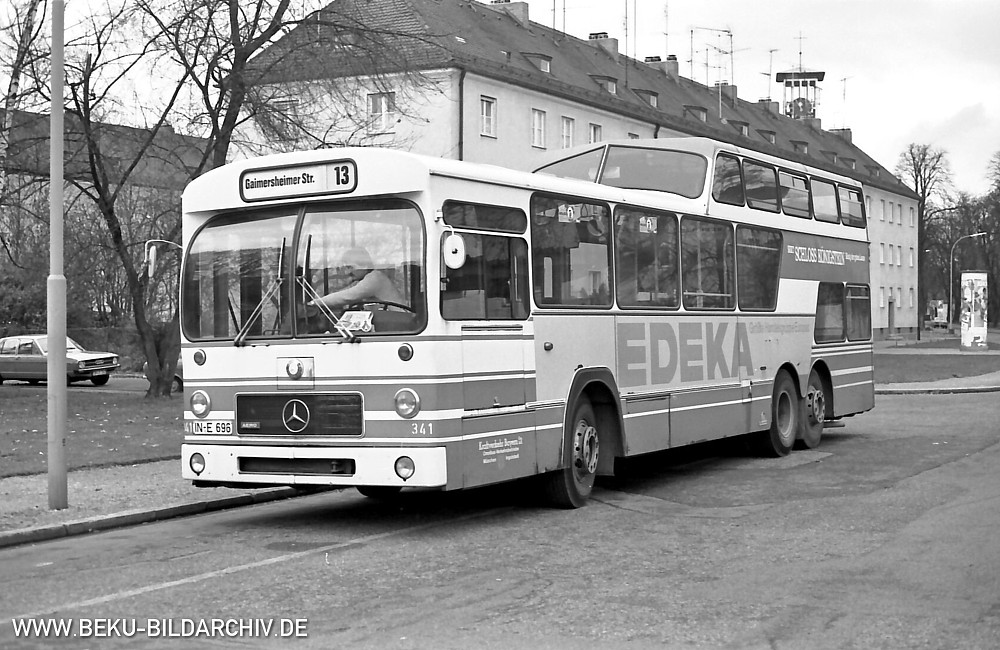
{"points": [[873, 171], [850, 163], [830, 155], [648, 96], [800, 146], [698, 112], [541, 61], [609, 84], [767, 135], [742, 127]]}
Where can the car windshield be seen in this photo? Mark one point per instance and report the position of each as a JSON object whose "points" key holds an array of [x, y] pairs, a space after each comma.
{"points": [[247, 277], [43, 343]]}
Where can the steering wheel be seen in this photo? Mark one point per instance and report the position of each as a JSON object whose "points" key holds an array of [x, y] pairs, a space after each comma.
{"points": [[387, 303]]}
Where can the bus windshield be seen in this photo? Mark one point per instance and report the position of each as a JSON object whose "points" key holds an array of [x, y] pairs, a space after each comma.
{"points": [[247, 277]]}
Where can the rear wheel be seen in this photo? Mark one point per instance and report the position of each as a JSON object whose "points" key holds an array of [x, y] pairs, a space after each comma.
{"points": [[785, 414], [176, 385], [813, 413], [100, 381], [380, 492], [571, 486]]}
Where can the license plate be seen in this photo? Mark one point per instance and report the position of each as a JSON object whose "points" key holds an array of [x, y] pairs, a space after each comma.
{"points": [[208, 426], [98, 373]]}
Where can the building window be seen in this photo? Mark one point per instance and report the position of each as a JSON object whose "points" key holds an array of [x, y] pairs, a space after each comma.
{"points": [[891, 250], [881, 216], [488, 116], [913, 217], [568, 127], [899, 256], [891, 211], [381, 112], [881, 253], [595, 133], [899, 214], [544, 65], [537, 128], [911, 297], [633, 136], [881, 296], [800, 146], [767, 135], [911, 257], [699, 112]]}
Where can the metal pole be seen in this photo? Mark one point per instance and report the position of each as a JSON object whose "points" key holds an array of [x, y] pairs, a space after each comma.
{"points": [[57, 281]]}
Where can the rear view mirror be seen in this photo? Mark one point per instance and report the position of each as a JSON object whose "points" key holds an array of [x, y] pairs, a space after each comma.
{"points": [[453, 250]]}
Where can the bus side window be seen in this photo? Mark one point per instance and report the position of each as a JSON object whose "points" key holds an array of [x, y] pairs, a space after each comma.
{"points": [[645, 258], [707, 264], [761, 186], [825, 201], [829, 326], [758, 258], [794, 194], [728, 184], [491, 284], [859, 313], [571, 252]]}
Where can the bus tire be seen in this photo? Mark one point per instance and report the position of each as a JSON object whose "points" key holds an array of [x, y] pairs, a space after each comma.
{"points": [[813, 413], [379, 492], [786, 411], [571, 486]]}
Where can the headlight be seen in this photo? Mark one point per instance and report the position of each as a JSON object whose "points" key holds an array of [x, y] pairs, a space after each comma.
{"points": [[201, 404], [197, 463], [405, 467], [407, 403], [80, 365]]}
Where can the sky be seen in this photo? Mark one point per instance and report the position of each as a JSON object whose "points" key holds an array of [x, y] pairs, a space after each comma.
{"points": [[897, 71]]}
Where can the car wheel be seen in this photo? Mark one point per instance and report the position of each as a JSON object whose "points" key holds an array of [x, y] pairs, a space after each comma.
{"points": [[100, 381], [177, 385]]}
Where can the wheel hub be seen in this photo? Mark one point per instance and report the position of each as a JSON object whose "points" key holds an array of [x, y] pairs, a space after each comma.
{"points": [[816, 406], [585, 447]]}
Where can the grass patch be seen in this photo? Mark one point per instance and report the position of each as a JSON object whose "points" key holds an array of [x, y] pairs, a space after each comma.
{"points": [[102, 429], [893, 368]]}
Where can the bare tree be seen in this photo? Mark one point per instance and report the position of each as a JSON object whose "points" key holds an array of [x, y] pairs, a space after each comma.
{"points": [[926, 170]]}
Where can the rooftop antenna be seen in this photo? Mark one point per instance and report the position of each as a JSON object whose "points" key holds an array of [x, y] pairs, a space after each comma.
{"points": [[770, 71], [666, 29], [800, 38], [843, 107]]}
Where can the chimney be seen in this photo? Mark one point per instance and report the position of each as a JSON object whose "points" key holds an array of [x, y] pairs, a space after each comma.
{"points": [[518, 10], [728, 91], [768, 105], [668, 67], [843, 133], [610, 45]]}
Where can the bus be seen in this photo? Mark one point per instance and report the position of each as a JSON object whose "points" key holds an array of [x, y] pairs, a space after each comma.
{"points": [[373, 318]]}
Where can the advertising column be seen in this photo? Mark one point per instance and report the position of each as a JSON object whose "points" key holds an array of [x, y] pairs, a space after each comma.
{"points": [[973, 313]]}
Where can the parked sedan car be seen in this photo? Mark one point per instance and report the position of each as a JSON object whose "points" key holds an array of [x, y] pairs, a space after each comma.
{"points": [[25, 357], [177, 385]]}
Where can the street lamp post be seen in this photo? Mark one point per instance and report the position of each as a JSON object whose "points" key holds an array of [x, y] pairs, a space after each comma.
{"points": [[951, 274]]}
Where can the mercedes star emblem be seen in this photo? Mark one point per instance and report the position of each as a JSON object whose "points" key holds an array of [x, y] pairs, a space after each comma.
{"points": [[295, 415]]}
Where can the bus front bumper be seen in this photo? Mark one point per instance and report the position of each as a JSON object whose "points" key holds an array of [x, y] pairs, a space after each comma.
{"points": [[347, 466]]}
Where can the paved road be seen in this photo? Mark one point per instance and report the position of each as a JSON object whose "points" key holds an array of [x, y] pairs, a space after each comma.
{"points": [[884, 537]]}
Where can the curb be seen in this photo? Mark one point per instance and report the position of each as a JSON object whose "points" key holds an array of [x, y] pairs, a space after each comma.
{"points": [[135, 517], [937, 391]]}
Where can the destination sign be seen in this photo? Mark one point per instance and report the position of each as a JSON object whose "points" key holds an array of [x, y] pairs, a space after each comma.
{"points": [[337, 177]]}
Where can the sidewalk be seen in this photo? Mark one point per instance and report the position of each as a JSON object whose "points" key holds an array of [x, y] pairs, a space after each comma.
{"points": [[111, 497]]}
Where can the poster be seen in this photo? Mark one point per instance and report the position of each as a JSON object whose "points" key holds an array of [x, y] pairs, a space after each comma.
{"points": [[973, 311]]}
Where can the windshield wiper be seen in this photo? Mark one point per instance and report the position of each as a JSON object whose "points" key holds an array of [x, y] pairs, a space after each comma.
{"points": [[272, 289], [324, 309]]}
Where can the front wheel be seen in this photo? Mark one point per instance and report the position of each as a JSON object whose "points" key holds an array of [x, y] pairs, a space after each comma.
{"points": [[785, 413], [813, 412], [571, 486], [100, 381]]}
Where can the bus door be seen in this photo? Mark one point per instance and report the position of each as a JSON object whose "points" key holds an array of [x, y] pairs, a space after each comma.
{"points": [[487, 289]]}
